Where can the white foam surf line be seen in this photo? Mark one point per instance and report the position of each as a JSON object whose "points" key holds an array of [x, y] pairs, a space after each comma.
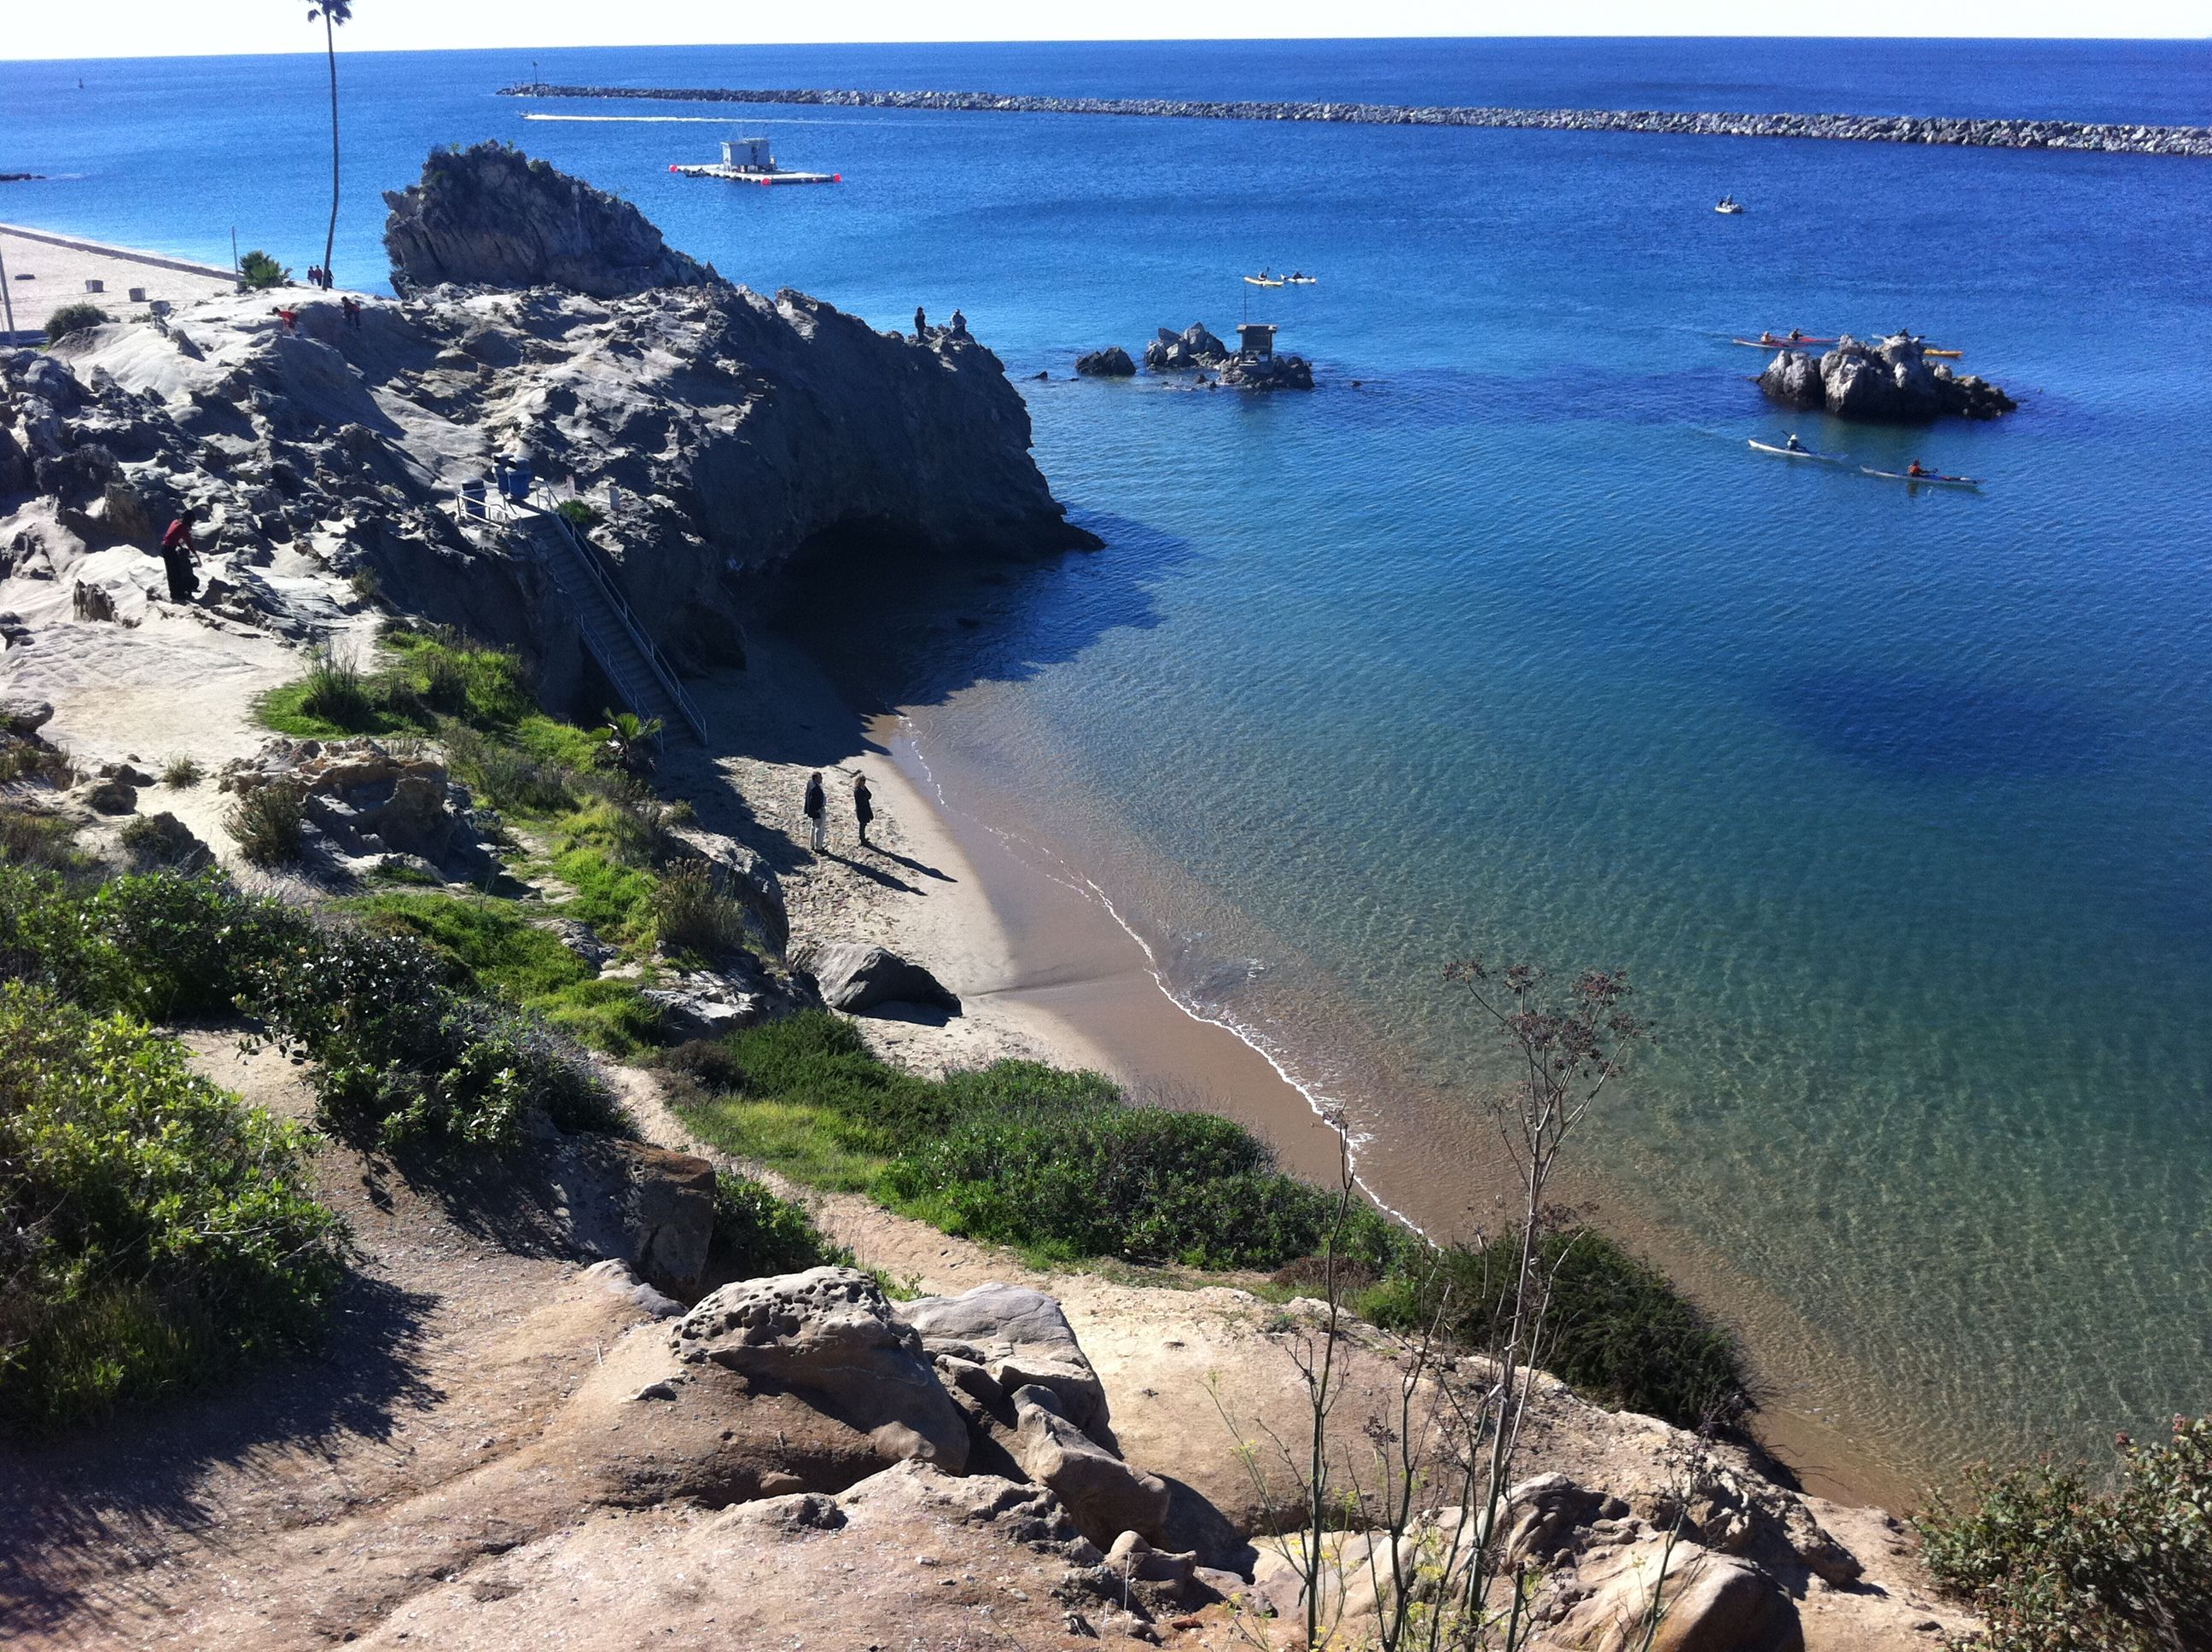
{"points": [[1332, 1111]]}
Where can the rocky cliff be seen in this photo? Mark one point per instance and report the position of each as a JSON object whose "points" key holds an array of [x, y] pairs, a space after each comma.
{"points": [[717, 436], [492, 216], [1886, 381]]}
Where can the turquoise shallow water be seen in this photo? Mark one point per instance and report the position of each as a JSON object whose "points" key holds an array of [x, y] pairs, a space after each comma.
{"points": [[1896, 806]]}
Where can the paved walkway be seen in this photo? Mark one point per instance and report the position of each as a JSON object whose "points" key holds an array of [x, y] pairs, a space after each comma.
{"points": [[46, 271]]}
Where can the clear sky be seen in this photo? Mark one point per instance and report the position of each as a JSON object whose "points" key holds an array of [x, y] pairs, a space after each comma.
{"points": [[39, 29]]}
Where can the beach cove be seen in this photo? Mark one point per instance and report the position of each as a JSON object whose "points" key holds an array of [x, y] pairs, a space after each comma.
{"points": [[1877, 797]]}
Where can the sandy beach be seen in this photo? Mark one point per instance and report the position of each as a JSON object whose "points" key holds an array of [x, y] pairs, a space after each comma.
{"points": [[46, 271]]}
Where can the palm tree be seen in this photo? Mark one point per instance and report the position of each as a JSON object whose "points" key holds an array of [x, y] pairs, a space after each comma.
{"points": [[333, 13]]}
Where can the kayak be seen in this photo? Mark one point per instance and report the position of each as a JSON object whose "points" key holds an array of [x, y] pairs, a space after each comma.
{"points": [[1780, 344], [1776, 449], [1302, 281], [1948, 356], [1262, 281], [1931, 481]]}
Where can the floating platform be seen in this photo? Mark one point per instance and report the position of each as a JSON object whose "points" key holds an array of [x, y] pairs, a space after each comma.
{"points": [[749, 161], [748, 175]]}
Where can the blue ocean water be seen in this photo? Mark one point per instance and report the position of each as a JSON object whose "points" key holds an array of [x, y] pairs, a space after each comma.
{"points": [[1896, 805]]}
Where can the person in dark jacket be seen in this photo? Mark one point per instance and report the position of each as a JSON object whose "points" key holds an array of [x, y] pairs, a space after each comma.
{"points": [[920, 324], [817, 811], [959, 325], [177, 555], [863, 807]]}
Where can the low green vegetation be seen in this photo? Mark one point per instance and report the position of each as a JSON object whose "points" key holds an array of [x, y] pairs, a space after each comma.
{"points": [[268, 823], [153, 1232], [756, 1233], [2056, 1562], [1060, 1166], [259, 271], [75, 319]]}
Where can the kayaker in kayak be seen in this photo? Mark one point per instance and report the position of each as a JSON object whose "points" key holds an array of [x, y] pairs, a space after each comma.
{"points": [[1797, 335], [1914, 468], [1794, 445]]}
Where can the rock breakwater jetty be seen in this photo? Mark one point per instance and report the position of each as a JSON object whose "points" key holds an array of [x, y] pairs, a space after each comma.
{"points": [[1972, 131]]}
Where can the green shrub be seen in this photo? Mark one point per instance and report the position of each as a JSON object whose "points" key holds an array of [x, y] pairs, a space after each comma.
{"points": [[756, 1233], [579, 514], [2055, 1563], [818, 1060], [153, 1232], [36, 837], [45, 940], [404, 1054], [182, 771], [334, 692], [191, 944], [259, 271], [75, 319], [505, 776], [1614, 1328], [1142, 1183], [268, 822], [691, 916]]}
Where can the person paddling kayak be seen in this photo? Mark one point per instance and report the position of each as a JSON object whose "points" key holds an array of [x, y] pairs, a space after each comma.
{"points": [[1794, 445], [1914, 468]]}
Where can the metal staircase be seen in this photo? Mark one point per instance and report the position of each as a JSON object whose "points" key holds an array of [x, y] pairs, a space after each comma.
{"points": [[639, 672]]}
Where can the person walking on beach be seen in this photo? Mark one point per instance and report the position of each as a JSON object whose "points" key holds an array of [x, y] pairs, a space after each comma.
{"points": [[863, 808], [818, 812], [177, 555]]}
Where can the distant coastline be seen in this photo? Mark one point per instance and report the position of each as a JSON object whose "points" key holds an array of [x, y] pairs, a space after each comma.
{"points": [[1971, 132]]}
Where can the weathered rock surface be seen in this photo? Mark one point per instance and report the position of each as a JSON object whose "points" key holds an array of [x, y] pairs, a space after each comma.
{"points": [[24, 715], [162, 842], [1194, 347], [369, 802], [726, 436], [490, 215], [645, 1207], [1112, 363], [855, 976], [829, 1335], [1019, 1337], [1105, 1495], [1888, 381]]}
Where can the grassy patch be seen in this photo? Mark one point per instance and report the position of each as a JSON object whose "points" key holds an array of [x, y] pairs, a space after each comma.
{"points": [[157, 1232], [756, 1233], [500, 949]]}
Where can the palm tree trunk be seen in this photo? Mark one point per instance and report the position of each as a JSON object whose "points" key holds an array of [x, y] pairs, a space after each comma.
{"points": [[330, 45]]}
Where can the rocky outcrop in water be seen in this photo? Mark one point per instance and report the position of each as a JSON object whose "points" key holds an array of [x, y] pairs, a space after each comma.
{"points": [[490, 215], [1884, 381], [1268, 373], [1112, 363], [1194, 347], [1987, 133]]}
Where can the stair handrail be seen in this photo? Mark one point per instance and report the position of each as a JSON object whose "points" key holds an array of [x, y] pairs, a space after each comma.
{"points": [[646, 646]]}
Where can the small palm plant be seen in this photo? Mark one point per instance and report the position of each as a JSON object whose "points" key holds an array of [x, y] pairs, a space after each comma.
{"points": [[331, 13], [630, 740]]}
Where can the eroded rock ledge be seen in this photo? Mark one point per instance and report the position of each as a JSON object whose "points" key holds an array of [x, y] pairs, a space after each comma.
{"points": [[1983, 133]]}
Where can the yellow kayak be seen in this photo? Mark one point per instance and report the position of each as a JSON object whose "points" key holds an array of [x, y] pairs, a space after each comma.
{"points": [[1262, 281]]}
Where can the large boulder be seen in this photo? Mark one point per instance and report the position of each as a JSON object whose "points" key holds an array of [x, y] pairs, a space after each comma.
{"points": [[1707, 1602], [1112, 363], [490, 215], [1019, 1337], [1194, 347], [855, 976], [636, 1203], [1889, 380], [1268, 373], [24, 713], [829, 1336], [1105, 1495]]}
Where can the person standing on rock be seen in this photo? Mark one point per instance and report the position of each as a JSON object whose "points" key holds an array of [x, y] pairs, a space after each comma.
{"points": [[863, 808], [959, 325], [817, 811], [177, 555], [920, 324]]}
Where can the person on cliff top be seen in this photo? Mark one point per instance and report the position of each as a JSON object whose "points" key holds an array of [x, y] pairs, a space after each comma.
{"points": [[959, 325], [818, 812], [350, 307], [290, 318], [177, 555], [863, 808], [920, 324]]}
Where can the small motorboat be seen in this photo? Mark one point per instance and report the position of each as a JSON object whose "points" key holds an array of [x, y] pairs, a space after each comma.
{"points": [[1728, 204], [1767, 341], [1929, 479], [1782, 452], [1263, 279]]}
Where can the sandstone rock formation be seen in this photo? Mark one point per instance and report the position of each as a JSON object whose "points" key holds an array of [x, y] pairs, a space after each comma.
{"points": [[1888, 381], [490, 216], [1112, 363], [1268, 373], [829, 1336], [371, 804], [1019, 1337], [723, 437], [859, 977]]}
